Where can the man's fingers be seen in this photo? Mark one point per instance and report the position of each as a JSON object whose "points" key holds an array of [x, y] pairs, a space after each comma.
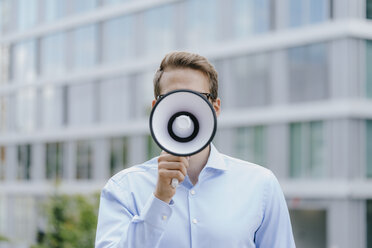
{"points": [[174, 166], [171, 158], [170, 168], [170, 174]]}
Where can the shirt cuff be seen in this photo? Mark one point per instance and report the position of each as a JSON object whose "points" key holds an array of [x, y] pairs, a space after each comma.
{"points": [[157, 212]]}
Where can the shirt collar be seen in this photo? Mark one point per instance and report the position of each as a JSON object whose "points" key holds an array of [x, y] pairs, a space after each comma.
{"points": [[215, 160]]}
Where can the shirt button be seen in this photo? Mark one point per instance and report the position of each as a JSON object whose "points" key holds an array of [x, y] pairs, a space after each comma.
{"points": [[164, 217], [192, 192], [195, 221]]}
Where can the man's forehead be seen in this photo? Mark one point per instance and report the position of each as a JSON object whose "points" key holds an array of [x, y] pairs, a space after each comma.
{"points": [[183, 75], [183, 79]]}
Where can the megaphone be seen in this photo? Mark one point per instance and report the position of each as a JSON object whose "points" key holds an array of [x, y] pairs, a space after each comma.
{"points": [[183, 122]]}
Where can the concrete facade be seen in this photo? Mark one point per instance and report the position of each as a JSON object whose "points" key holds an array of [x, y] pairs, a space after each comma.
{"points": [[293, 81]]}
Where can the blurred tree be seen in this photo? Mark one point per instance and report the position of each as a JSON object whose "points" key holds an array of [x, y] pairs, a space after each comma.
{"points": [[3, 238], [71, 222]]}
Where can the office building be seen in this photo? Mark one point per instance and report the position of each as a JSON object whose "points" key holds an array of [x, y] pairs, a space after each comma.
{"points": [[295, 83]]}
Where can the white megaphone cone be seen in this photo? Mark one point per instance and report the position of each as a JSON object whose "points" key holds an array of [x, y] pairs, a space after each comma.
{"points": [[182, 123]]}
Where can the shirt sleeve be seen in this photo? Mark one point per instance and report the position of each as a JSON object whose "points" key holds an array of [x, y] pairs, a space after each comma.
{"points": [[275, 229], [118, 226]]}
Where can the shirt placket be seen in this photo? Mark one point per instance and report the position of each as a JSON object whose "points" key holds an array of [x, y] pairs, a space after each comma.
{"points": [[193, 215], [195, 220]]}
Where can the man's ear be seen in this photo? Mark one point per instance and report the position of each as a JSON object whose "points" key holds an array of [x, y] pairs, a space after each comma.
{"points": [[153, 103], [217, 106]]}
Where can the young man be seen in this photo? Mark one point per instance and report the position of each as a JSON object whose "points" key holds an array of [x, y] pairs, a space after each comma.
{"points": [[220, 202]]}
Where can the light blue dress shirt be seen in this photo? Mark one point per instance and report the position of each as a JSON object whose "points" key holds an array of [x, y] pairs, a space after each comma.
{"points": [[234, 204]]}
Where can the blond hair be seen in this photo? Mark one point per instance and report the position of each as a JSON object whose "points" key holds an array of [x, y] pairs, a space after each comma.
{"points": [[175, 60]]}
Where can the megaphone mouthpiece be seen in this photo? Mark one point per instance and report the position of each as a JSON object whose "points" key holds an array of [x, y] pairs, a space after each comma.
{"points": [[183, 126]]}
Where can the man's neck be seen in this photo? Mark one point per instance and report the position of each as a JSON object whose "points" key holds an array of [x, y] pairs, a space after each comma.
{"points": [[197, 163]]}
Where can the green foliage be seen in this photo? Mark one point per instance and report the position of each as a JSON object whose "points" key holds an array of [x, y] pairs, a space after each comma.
{"points": [[72, 222], [3, 238]]}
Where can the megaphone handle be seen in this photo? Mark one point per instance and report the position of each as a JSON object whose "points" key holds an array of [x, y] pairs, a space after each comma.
{"points": [[174, 183]]}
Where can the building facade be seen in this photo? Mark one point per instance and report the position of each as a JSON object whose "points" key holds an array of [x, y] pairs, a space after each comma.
{"points": [[295, 83]]}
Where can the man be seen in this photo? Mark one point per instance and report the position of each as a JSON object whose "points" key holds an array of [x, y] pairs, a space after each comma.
{"points": [[220, 201]]}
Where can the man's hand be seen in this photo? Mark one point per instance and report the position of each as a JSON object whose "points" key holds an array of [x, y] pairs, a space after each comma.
{"points": [[169, 167]]}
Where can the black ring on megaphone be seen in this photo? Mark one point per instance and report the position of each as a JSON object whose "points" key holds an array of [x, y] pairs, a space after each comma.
{"points": [[180, 139], [183, 154]]}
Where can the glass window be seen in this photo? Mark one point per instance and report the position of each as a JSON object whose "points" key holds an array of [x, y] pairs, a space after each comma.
{"points": [[4, 78], [23, 219], [26, 109], [304, 12], [309, 228], [25, 104], [81, 6], [24, 61], [110, 2], [4, 217], [250, 144], [24, 70], [116, 98], [54, 161], [81, 104], [218, 140], [4, 122], [307, 150], [2, 114], [368, 68], [201, 22], [2, 162], [369, 147], [7, 113], [5, 15], [153, 150], [53, 62], [250, 77], [369, 9], [53, 106], [146, 93], [24, 162], [27, 14], [84, 49], [369, 223], [54, 10], [308, 73], [118, 39], [4, 64], [223, 72], [2, 17], [84, 159], [119, 154], [250, 17], [53, 55], [159, 30]]}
